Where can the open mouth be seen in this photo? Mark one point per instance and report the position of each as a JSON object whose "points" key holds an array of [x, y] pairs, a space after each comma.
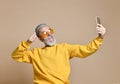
{"points": [[50, 38]]}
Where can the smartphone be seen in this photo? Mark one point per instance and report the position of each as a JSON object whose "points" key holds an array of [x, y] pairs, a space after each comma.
{"points": [[98, 20]]}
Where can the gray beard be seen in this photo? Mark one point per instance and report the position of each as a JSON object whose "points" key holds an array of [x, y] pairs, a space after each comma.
{"points": [[46, 41]]}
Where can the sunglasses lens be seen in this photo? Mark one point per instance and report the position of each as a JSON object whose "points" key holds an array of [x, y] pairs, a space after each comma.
{"points": [[45, 34], [51, 31]]}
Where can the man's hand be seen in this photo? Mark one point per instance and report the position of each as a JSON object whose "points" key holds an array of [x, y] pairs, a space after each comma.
{"points": [[32, 38], [100, 30]]}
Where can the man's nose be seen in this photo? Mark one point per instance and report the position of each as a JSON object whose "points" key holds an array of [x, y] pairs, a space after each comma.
{"points": [[49, 34]]}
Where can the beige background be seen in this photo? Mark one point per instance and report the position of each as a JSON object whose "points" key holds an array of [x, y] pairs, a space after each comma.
{"points": [[74, 22]]}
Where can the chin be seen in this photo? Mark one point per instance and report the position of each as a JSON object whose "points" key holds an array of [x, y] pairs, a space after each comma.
{"points": [[50, 43]]}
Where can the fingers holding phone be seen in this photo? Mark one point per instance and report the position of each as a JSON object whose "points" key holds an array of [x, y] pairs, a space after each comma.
{"points": [[100, 29]]}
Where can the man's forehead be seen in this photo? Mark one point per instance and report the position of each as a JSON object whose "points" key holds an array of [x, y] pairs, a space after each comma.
{"points": [[44, 29]]}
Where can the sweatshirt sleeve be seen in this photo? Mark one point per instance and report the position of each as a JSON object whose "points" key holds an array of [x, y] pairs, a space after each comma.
{"points": [[83, 51], [22, 52]]}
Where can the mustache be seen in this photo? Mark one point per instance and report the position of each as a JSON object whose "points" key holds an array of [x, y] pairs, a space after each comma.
{"points": [[51, 36]]}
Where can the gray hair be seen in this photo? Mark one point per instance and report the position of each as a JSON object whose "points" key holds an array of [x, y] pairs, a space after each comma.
{"points": [[37, 29]]}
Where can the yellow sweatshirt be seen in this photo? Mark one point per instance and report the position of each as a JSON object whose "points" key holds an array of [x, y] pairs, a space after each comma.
{"points": [[51, 64]]}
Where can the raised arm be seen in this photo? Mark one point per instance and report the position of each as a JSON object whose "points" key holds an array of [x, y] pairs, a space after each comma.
{"points": [[22, 53], [86, 50]]}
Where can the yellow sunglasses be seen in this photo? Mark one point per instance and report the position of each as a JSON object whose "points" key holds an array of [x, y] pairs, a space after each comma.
{"points": [[45, 34]]}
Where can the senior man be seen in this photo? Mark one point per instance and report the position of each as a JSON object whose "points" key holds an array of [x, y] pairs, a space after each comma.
{"points": [[51, 63]]}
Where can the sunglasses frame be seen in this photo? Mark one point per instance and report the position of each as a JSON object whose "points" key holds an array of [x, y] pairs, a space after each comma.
{"points": [[45, 34]]}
